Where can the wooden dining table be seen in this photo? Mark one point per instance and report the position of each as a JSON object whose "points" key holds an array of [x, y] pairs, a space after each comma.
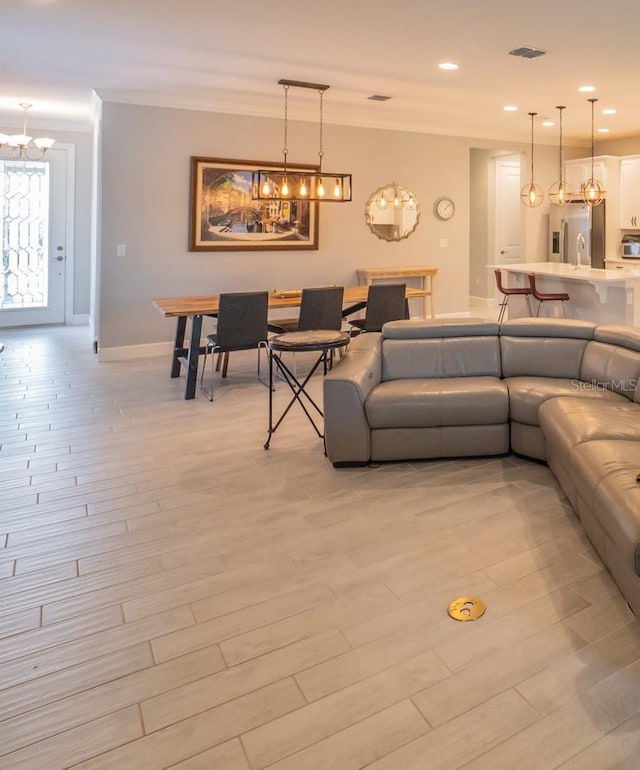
{"points": [[195, 308]]}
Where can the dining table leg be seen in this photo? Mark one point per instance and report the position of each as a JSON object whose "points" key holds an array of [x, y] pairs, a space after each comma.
{"points": [[178, 345], [192, 357]]}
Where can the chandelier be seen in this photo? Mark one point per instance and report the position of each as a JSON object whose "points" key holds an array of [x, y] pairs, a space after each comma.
{"points": [[291, 184], [22, 146], [394, 197]]}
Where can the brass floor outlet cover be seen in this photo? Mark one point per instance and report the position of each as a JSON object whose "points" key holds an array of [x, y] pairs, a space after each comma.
{"points": [[466, 608]]}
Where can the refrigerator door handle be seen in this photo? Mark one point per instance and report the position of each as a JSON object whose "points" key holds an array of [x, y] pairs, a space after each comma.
{"points": [[564, 241]]}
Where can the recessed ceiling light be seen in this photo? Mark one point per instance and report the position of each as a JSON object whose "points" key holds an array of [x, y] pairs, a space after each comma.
{"points": [[586, 89], [608, 111], [448, 65], [603, 130], [548, 123], [510, 108]]}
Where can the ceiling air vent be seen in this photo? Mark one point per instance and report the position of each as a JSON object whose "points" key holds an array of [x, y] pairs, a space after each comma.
{"points": [[526, 52], [378, 98]]}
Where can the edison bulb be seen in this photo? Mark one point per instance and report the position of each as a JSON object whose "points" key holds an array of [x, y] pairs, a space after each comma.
{"points": [[285, 188], [266, 190], [320, 189], [337, 191], [303, 189]]}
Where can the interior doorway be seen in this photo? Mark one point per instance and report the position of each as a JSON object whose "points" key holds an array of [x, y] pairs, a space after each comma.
{"points": [[495, 218], [507, 210], [35, 222]]}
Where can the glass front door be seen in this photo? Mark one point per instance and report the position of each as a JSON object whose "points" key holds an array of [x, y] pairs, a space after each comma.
{"points": [[32, 203]]}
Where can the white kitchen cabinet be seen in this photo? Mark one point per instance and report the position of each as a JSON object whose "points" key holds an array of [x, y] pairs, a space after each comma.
{"points": [[578, 171], [630, 192]]}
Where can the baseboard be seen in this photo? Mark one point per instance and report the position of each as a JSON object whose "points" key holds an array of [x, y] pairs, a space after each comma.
{"points": [[133, 352], [79, 319]]}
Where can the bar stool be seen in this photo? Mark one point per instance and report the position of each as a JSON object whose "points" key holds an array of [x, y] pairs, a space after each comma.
{"points": [[524, 292], [548, 296]]}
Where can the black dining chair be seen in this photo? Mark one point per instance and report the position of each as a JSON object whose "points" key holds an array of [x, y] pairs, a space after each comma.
{"points": [[385, 302], [320, 308], [242, 325]]}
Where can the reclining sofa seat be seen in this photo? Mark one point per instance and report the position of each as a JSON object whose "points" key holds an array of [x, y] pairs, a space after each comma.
{"points": [[441, 392], [546, 358], [419, 390], [595, 455]]}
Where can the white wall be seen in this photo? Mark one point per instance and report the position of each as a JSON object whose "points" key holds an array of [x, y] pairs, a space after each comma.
{"points": [[145, 198]]}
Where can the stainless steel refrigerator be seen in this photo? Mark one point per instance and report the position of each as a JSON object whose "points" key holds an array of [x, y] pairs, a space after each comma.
{"points": [[577, 234]]}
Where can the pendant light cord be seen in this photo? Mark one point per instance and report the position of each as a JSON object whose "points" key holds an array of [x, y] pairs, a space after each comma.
{"points": [[285, 149], [321, 150], [561, 177], [532, 114], [592, 137]]}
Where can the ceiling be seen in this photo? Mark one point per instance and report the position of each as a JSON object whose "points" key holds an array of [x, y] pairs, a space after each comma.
{"points": [[228, 56]]}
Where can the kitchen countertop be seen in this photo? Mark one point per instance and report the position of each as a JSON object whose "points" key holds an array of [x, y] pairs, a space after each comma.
{"points": [[571, 273], [610, 296]]}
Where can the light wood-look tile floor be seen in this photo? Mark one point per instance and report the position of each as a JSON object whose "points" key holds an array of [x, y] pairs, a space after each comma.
{"points": [[174, 596]]}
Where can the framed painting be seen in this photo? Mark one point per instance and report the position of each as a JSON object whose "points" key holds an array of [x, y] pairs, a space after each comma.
{"points": [[225, 217]]}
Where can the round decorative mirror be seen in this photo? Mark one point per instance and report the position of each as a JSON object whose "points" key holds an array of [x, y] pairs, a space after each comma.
{"points": [[392, 212]]}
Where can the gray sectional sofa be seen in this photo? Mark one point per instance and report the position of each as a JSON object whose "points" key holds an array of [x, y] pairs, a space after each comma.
{"points": [[561, 391]]}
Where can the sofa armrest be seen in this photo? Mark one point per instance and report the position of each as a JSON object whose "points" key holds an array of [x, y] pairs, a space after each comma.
{"points": [[345, 389]]}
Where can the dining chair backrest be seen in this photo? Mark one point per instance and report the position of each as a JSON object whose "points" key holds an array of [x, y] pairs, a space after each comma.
{"points": [[385, 302], [321, 308], [242, 320]]}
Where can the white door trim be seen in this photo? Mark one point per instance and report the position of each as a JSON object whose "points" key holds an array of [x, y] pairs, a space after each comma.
{"points": [[69, 293]]}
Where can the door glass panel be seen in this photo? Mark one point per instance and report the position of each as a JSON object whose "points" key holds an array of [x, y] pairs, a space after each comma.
{"points": [[24, 201]]}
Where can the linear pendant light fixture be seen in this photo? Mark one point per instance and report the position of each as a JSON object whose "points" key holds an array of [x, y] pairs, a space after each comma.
{"points": [[23, 146], [592, 190], [291, 184], [532, 194], [560, 192]]}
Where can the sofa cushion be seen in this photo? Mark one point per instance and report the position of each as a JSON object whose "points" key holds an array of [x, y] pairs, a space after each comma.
{"points": [[542, 356], [589, 462], [549, 327], [438, 357], [422, 403], [421, 328], [612, 367], [625, 336], [567, 422], [605, 471], [526, 394]]}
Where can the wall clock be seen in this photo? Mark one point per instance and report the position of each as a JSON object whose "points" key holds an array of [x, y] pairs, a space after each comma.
{"points": [[444, 208]]}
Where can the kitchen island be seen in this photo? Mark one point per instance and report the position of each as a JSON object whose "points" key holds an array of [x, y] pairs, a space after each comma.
{"points": [[600, 296]]}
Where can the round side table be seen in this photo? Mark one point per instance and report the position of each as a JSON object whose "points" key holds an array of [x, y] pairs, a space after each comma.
{"points": [[322, 341]]}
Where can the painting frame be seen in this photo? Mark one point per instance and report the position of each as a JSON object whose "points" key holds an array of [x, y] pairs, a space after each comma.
{"points": [[224, 217]]}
